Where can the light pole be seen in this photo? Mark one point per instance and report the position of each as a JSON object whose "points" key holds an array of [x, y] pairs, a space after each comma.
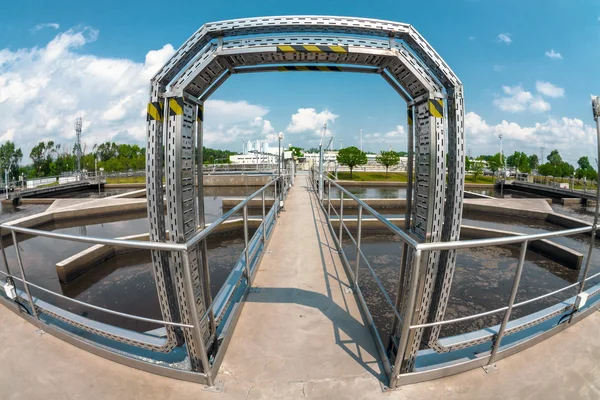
{"points": [[503, 171], [596, 112], [280, 136]]}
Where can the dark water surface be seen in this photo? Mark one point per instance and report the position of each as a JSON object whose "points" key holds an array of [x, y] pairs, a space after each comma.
{"points": [[482, 281], [124, 282]]}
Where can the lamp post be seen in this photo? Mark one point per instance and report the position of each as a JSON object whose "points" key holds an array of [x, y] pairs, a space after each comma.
{"points": [[503, 170], [280, 136]]}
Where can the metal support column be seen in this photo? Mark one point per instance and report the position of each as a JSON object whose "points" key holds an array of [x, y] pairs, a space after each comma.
{"points": [[511, 302], [183, 122], [246, 250], [596, 113], [25, 285], [360, 211]]}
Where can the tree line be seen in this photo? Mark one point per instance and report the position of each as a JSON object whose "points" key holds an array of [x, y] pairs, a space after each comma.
{"points": [[52, 159], [554, 165]]}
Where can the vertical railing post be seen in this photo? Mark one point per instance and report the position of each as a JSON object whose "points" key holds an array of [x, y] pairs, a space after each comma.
{"points": [[511, 302], [264, 224], [410, 309], [246, 252], [20, 262], [4, 255], [197, 329], [328, 200], [275, 201], [341, 216], [360, 210]]}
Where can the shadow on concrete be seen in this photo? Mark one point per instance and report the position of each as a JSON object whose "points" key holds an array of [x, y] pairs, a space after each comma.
{"points": [[342, 320]]}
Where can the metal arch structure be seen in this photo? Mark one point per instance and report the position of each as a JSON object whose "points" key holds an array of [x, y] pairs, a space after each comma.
{"points": [[218, 50]]}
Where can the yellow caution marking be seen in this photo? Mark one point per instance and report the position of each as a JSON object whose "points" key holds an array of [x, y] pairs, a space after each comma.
{"points": [[436, 108], [285, 49], [309, 48], [154, 112], [339, 49], [409, 116], [313, 49], [309, 68], [176, 105]]}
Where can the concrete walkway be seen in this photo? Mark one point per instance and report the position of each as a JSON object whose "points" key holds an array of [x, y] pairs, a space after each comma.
{"points": [[300, 336]]}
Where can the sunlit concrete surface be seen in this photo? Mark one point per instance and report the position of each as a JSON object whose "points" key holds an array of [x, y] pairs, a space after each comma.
{"points": [[299, 336]]}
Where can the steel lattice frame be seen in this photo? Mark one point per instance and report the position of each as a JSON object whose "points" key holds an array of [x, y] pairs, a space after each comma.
{"points": [[218, 50]]}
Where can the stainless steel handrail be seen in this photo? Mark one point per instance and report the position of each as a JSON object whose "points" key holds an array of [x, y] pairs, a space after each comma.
{"points": [[138, 244], [403, 235], [421, 248], [206, 231], [106, 310], [464, 244], [183, 248]]}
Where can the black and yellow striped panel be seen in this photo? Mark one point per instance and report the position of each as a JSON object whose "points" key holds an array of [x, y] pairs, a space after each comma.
{"points": [[310, 68], [200, 116], [176, 105], [155, 111], [409, 116], [436, 108], [305, 48]]}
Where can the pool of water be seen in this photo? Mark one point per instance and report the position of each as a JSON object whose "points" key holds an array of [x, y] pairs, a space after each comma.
{"points": [[483, 277], [125, 282]]}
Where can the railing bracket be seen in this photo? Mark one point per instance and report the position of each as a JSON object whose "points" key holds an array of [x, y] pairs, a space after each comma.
{"points": [[218, 387], [490, 368]]}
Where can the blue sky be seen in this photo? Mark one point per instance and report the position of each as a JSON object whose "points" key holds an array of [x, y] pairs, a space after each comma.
{"points": [[528, 68]]}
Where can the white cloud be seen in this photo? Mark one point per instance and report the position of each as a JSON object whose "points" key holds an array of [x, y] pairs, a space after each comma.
{"points": [[560, 133], [229, 122], [43, 89], [554, 55], [498, 68], [397, 136], [471, 37], [307, 120], [518, 100], [504, 38], [51, 25], [548, 89]]}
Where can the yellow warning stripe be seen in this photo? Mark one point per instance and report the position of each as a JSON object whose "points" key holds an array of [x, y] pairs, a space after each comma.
{"points": [[409, 116], [311, 49], [154, 112], [436, 108], [176, 105], [309, 68]]}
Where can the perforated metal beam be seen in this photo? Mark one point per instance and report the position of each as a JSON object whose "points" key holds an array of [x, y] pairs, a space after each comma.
{"points": [[399, 54]]}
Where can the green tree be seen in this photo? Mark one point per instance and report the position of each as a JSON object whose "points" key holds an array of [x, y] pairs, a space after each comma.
{"points": [[495, 162], [351, 156], [467, 163], [476, 169], [10, 158], [533, 161], [297, 152], [387, 159], [584, 163], [43, 155], [554, 157]]}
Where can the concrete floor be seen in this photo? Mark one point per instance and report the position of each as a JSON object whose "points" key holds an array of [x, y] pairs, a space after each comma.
{"points": [[300, 336]]}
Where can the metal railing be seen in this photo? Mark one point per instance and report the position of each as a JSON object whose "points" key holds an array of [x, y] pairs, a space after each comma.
{"points": [[250, 251], [420, 252]]}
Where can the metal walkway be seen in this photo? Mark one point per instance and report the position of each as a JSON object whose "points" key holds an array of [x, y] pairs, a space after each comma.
{"points": [[301, 322]]}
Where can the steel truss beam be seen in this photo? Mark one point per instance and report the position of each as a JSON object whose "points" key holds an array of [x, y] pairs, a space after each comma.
{"points": [[325, 44]]}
